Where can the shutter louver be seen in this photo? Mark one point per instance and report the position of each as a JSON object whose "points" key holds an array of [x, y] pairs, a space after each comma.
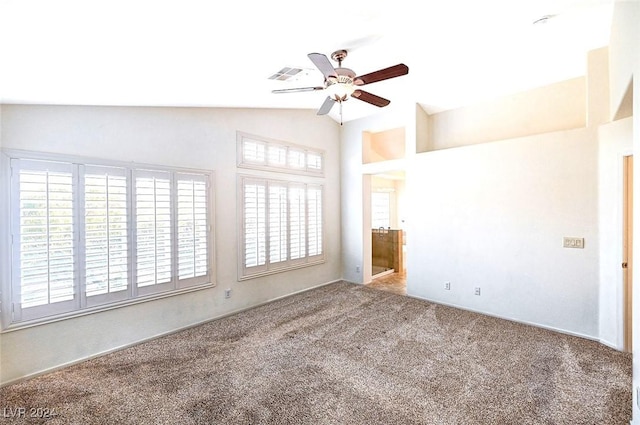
{"points": [[297, 222], [46, 256], [277, 223], [314, 162], [192, 228], [46, 228], [314, 207], [153, 226], [106, 233], [253, 151], [88, 236], [254, 224], [282, 225], [274, 155], [277, 156], [297, 159]]}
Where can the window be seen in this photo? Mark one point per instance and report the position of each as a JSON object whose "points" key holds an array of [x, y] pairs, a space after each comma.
{"points": [[266, 154], [87, 234], [380, 210], [281, 225]]}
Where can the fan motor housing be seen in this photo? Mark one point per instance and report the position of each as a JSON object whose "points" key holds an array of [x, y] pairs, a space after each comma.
{"points": [[346, 72], [345, 76]]}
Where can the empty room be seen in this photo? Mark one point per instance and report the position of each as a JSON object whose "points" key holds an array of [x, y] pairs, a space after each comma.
{"points": [[367, 213]]}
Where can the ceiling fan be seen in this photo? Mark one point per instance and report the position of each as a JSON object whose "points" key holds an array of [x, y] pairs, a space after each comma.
{"points": [[342, 83]]}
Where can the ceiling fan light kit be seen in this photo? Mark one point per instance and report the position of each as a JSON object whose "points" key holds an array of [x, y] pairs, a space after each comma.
{"points": [[342, 83]]}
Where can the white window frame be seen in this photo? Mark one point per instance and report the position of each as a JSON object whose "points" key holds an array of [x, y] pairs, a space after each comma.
{"points": [[289, 151], [14, 317], [267, 268]]}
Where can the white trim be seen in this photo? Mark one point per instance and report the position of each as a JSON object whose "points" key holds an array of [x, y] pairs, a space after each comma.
{"points": [[56, 157], [5, 237], [281, 269], [104, 307]]}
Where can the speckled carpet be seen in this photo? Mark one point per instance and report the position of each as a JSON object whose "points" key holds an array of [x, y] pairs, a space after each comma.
{"points": [[342, 354]]}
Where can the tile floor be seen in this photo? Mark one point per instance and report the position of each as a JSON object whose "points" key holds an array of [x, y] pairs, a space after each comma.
{"points": [[394, 282]]}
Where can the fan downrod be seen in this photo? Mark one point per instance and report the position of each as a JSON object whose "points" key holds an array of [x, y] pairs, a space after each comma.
{"points": [[339, 56]]}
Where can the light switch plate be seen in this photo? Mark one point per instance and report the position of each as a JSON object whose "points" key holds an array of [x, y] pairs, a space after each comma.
{"points": [[568, 242]]}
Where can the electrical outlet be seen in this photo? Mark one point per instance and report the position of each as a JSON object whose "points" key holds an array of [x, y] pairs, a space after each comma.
{"points": [[227, 293], [477, 291], [447, 286], [357, 269]]}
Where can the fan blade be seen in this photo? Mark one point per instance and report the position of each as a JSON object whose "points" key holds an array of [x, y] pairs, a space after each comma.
{"points": [[365, 96], [326, 106], [296, 90], [382, 74], [323, 64]]}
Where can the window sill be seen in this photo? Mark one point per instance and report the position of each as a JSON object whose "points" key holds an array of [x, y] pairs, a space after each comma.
{"points": [[280, 270], [98, 309]]}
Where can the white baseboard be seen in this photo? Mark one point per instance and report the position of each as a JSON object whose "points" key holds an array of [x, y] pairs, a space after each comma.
{"points": [[612, 345], [524, 322], [170, 332]]}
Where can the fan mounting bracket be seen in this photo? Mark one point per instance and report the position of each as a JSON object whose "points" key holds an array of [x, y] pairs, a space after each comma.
{"points": [[339, 56]]}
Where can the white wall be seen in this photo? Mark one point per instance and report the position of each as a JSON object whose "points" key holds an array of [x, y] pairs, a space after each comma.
{"points": [[3, 236], [624, 40], [185, 137], [624, 68], [356, 184], [559, 106], [614, 142], [493, 216]]}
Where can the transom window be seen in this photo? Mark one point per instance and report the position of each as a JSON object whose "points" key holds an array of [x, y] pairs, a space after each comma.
{"points": [[272, 155], [90, 234]]}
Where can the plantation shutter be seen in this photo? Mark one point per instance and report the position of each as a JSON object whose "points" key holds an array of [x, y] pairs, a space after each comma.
{"points": [[254, 224], [297, 222], [153, 218], [314, 162], [297, 159], [277, 156], [44, 238], [314, 208], [193, 229], [253, 151], [106, 243], [278, 228], [282, 225]]}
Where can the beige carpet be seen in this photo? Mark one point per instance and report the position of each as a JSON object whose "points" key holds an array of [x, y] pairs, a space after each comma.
{"points": [[343, 354]]}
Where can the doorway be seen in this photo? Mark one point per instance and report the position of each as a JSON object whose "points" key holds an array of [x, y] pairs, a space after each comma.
{"points": [[384, 244], [627, 250], [388, 234]]}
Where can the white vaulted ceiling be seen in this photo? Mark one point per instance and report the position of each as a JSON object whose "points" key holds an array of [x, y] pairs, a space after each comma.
{"points": [[220, 54]]}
